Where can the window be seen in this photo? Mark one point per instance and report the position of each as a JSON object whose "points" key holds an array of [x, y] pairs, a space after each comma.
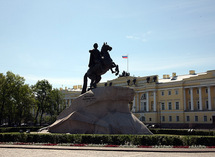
{"points": [[163, 118], [197, 91], [176, 92], [170, 118], [198, 105], [177, 105], [196, 118], [142, 118], [162, 106], [170, 106], [152, 105], [162, 93], [177, 118], [143, 106], [143, 97], [205, 118], [150, 119], [188, 118], [169, 92], [206, 90], [189, 105], [207, 105]]}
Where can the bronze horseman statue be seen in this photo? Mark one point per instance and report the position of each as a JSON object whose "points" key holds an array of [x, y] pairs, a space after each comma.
{"points": [[99, 64]]}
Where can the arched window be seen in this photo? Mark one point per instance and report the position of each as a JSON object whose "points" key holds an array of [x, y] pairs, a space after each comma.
{"points": [[142, 118]]}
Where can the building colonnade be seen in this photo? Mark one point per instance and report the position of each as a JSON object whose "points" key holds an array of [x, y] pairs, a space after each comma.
{"points": [[202, 100], [203, 95]]}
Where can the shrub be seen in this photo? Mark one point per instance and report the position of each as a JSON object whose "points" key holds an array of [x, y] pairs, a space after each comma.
{"points": [[182, 132], [142, 140]]}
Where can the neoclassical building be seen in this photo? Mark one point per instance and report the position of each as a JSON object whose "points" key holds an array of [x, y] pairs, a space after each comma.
{"points": [[176, 101]]}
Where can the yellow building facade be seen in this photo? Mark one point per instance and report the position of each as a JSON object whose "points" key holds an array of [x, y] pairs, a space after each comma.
{"points": [[176, 101]]}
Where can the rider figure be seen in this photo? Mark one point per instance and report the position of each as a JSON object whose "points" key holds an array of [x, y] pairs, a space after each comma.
{"points": [[95, 62], [95, 56]]}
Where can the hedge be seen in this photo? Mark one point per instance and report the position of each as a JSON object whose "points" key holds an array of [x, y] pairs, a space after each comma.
{"points": [[18, 129], [154, 131], [183, 132], [146, 140]]}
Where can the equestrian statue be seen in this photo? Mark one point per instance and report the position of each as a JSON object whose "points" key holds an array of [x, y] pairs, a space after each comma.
{"points": [[99, 64]]}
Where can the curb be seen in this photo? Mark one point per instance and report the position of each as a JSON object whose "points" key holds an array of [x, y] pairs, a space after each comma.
{"points": [[99, 145], [110, 148]]}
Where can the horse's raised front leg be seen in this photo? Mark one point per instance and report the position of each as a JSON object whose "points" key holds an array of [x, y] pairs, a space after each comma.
{"points": [[112, 70]]}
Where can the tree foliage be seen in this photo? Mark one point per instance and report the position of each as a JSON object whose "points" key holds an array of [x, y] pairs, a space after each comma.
{"points": [[57, 104], [15, 99], [42, 91], [20, 103]]}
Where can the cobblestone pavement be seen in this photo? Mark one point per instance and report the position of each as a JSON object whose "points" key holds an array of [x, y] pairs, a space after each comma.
{"points": [[63, 151]]}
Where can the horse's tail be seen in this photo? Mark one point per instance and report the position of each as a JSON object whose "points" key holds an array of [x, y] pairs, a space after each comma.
{"points": [[84, 88]]}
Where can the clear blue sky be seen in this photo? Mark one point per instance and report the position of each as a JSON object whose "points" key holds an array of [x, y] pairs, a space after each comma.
{"points": [[51, 39]]}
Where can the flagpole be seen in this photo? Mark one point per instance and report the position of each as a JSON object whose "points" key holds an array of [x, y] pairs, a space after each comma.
{"points": [[126, 57], [127, 63]]}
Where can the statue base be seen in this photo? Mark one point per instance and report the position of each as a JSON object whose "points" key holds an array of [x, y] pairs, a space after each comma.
{"points": [[102, 110]]}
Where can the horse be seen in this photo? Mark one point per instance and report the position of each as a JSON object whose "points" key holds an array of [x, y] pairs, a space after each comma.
{"points": [[101, 68]]}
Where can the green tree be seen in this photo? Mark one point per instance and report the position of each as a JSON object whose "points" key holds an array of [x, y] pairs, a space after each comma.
{"points": [[15, 98], [57, 104], [42, 91], [3, 94], [24, 101], [19, 103]]}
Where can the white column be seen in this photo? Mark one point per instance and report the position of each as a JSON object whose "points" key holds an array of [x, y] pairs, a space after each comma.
{"points": [[191, 99], [209, 98], [133, 106], [137, 108], [154, 105], [200, 98], [147, 101], [70, 102], [184, 99]]}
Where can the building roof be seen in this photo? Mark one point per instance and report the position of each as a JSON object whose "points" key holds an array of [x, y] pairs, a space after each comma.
{"points": [[179, 77]]}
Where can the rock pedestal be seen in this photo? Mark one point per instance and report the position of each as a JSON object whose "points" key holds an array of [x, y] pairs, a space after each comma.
{"points": [[103, 110]]}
